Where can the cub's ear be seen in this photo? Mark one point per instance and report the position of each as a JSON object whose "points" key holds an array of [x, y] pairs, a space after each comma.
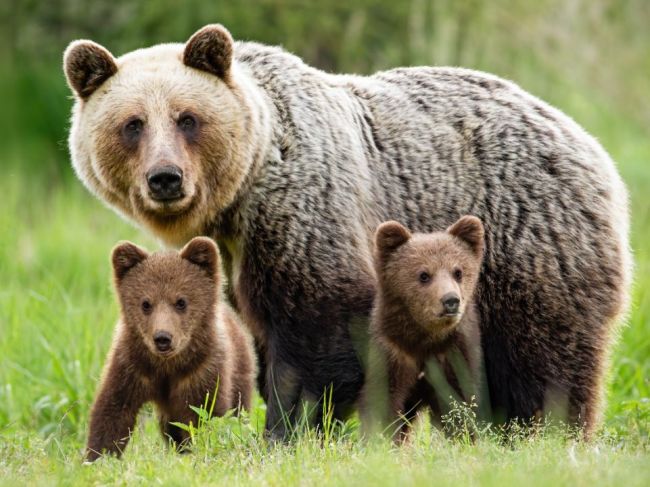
{"points": [[470, 230], [210, 49], [389, 236], [87, 65], [202, 251], [126, 256]]}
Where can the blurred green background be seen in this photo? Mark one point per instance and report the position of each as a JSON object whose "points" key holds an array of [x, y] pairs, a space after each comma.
{"points": [[590, 58]]}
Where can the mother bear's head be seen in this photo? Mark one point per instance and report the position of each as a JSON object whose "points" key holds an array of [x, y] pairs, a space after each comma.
{"points": [[166, 135]]}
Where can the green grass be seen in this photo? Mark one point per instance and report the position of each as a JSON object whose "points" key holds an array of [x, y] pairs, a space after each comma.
{"points": [[57, 313]]}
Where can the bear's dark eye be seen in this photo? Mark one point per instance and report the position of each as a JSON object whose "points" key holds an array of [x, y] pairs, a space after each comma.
{"points": [[146, 306], [458, 274], [181, 304], [133, 129], [424, 277], [187, 123]]}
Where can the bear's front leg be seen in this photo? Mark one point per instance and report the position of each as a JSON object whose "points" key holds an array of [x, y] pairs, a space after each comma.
{"points": [[403, 398], [113, 414], [179, 437], [177, 408], [283, 389], [307, 344]]}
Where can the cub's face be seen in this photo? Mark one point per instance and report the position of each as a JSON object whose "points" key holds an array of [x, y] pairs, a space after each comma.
{"points": [[167, 297], [158, 132], [432, 275]]}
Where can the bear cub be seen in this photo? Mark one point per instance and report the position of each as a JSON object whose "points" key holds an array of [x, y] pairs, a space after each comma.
{"points": [[176, 341], [424, 327]]}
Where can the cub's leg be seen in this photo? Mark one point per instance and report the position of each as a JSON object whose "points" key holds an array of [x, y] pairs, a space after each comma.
{"points": [[179, 437], [176, 409], [403, 398], [114, 413]]}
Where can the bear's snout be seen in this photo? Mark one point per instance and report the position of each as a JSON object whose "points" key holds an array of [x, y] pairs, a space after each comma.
{"points": [[165, 182], [451, 303], [163, 341]]}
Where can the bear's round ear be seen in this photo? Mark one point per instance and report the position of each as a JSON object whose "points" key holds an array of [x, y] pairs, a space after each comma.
{"points": [[390, 236], [87, 65], [210, 49], [203, 252], [470, 230], [125, 256]]}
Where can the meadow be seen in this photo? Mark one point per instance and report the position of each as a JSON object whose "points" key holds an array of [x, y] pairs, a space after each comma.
{"points": [[57, 313]]}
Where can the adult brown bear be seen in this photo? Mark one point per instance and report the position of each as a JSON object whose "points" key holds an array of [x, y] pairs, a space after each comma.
{"points": [[291, 169]]}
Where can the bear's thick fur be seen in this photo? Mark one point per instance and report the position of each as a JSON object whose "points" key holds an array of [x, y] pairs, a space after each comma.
{"points": [[291, 169], [424, 323], [174, 344]]}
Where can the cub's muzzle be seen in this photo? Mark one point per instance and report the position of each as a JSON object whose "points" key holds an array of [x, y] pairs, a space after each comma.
{"points": [[163, 341], [451, 303]]}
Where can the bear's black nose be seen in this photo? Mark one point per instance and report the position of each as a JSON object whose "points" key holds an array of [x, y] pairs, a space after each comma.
{"points": [[163, 341], [451, 303], [165, 182]]}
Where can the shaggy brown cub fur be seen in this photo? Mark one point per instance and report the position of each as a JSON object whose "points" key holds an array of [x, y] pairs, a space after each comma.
{"points": [[424, 323], [175, 343]]}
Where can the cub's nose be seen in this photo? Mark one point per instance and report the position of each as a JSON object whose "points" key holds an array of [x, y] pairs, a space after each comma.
{"points": [[165, 182], [163, 341], [451, 303]]}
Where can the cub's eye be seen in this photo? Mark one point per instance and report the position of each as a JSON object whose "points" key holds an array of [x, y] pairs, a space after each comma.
{"points": [[181, 304], [146, 306], [133, 129], [187, 123], [458, 274], [424, 277]]}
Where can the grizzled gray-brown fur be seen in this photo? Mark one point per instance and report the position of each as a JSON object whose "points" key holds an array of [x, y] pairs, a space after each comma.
{"points": [[291, 169]]}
